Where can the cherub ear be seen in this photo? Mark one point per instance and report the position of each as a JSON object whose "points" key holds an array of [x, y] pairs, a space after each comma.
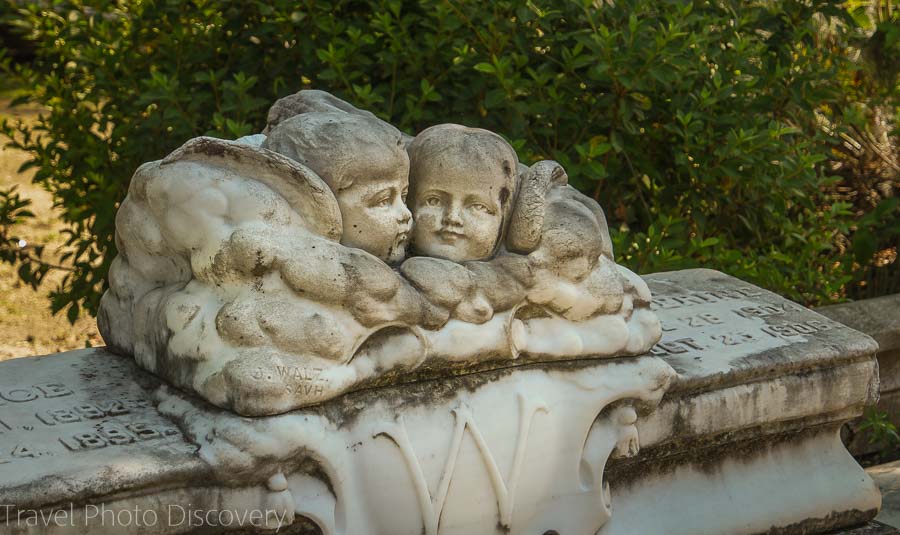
{"points": [[527, 222], [304, 191]]}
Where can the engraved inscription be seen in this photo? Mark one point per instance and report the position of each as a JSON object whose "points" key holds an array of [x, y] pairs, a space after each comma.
{"points": [[53, 390], [83, 412], [305, 380], [38, 391], [762, 311], [716, 325], [734, 339], [700, 298], [685, 345], [674, 347], [21, 450], [796, 329], [18, 395], [62, 425], [701, 320], [301, 373], [306, 389], [24, 452], [114, 434]]}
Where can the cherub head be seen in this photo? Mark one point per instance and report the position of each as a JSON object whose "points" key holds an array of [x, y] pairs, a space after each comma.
{"points": [[364, 163], [463, 183]]}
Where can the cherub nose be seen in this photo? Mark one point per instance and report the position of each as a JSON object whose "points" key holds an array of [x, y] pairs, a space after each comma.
{"points": [[403, 214], [452, 216]]}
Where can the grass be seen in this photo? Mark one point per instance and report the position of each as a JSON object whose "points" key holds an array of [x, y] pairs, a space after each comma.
{"points": [[26, 325]]}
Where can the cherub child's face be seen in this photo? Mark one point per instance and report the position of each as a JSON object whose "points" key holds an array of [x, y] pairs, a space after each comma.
{"points": [[365, 164], [374, 210], [458, 214]]}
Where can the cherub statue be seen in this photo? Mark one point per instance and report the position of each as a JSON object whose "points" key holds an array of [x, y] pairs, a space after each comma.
{"points": [[463, 186], [240, 277], [527, 260], [364, 163], [258, 273]]}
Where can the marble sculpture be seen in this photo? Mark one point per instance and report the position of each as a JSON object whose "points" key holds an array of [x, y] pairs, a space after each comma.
{"points": [[335, 246]]}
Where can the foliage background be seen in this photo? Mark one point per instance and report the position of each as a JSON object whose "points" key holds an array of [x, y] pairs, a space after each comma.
{"points": [[731, 135]]}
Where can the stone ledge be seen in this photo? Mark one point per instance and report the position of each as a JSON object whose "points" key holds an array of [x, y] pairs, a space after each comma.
{"points": [[748, 426], [879, 318], [798, 482], [876, 317], [709, 319], [749, 431], [765, 406], [871, 528], [887, 476]]}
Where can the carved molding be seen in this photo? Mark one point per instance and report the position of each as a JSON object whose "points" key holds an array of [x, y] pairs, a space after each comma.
{"points": [[522, 452]]}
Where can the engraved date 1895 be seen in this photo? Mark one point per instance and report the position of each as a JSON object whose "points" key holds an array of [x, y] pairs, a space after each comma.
{"points": [[102, 435], [116, 435]]}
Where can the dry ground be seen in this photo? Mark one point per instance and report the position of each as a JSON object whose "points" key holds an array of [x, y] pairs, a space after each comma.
{"points": [[26, 325]]}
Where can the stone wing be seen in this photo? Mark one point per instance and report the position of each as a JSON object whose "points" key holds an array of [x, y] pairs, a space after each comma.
{"points": [[306, 193]]}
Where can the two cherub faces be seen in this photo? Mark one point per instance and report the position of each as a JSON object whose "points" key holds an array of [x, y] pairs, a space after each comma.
{"points": [[460, 181]]}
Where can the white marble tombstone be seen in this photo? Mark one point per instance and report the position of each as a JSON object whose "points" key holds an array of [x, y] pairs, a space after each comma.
{"points": [[744, 440], [333, 327]]}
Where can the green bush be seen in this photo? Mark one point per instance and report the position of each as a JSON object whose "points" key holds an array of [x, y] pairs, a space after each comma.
{"points": [[881, 431], [697, 125]]}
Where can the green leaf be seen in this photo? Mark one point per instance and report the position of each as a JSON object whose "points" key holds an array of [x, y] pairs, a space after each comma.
{"points": [[615, 140], [485, 68]]}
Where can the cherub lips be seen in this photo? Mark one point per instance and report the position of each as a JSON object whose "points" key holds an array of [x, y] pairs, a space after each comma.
{"points": [[450, 235]]}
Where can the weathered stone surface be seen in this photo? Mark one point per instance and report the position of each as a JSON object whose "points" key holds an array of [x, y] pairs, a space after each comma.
{"points": [[494, 440], [887, 477], [720, 331], [744, 441], [752, 418], [276, 250], [871, 528], [876, 317], [879, 318], [81, 425]]}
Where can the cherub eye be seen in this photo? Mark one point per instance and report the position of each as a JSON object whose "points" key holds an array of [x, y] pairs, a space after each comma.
{"points": [[384, 200], [480, 207], [432, 201], [404, 194]]}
